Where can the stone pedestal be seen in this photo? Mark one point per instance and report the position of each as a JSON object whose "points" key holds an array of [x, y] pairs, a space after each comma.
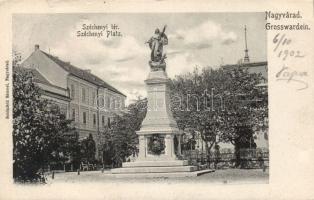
{"points": [[158, 123]]}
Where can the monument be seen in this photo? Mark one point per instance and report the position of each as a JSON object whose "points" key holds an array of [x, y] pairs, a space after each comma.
{"points": [[159, 136]]}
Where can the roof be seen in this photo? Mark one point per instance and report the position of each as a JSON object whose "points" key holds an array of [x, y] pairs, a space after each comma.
{"points": [[83, 74], [39, 78], [253, 67], [252, 64]]}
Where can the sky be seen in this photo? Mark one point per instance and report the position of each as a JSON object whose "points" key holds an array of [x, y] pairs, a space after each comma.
{"points": [[195, 39]]}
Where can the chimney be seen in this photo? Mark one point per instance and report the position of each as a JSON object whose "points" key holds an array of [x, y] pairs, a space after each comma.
{"points": [[36, 47]]}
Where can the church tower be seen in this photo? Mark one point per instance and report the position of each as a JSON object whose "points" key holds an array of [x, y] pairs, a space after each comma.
{"points": [[246, 56]]}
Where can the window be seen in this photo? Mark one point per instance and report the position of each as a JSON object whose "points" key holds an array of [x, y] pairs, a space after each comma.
{"points": [[122, 104], [94, 98], [101, 101], [108, 102], [63, 109], [103, 120], [72, 91], [109, 125], [113, 103], [83, 95], [94, 119], [73, 114], [84, 117], [118, 103]]}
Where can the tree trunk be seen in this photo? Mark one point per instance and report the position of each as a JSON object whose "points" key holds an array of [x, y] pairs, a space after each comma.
{"points": [[207, 153]]}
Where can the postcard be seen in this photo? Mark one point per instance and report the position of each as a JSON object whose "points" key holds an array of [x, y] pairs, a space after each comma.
{"points": [[157, 99]]}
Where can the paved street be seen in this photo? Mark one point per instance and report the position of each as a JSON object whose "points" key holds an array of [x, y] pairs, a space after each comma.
{"points": [[227, 176]]}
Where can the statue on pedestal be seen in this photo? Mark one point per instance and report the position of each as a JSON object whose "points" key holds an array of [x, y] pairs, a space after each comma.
{"points": [[156, 43], [157, 154]]}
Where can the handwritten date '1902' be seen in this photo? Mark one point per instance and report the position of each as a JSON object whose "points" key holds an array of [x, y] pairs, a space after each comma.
{"points": [[282, 45], [281, 41]]}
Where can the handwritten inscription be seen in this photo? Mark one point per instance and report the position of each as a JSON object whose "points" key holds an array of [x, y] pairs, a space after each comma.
{"points": [[280, 40], [289, 75], [284, 51], [285, 48]]}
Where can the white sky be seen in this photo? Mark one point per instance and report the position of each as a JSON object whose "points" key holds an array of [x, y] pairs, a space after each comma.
{"points": [[195, 39]]}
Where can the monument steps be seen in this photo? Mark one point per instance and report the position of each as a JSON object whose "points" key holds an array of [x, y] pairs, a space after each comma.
{"points": [[154, 169], [160, 175], [155, 163]]}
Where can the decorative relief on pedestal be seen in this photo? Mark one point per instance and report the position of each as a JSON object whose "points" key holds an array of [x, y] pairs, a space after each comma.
{"points": [[156, 144]]}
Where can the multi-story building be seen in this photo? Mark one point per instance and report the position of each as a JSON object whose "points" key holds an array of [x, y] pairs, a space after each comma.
{"points": [[85, 98]]}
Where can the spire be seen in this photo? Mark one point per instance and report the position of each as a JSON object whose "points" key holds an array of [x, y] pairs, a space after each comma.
{"points": [[246, 56]]}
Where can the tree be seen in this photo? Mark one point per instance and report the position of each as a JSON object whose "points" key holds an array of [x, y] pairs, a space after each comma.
{"points": [[246, 108], [88, 149], [38, 129], [218, 105], [120, 139], [197, 110]]}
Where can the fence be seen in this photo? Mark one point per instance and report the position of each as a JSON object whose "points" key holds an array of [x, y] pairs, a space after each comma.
{"points": [[70, 167], [60, 167], [226, 158]]}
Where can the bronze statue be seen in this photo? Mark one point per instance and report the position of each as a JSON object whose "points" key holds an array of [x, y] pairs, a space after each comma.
{"points": [[156, 44]]}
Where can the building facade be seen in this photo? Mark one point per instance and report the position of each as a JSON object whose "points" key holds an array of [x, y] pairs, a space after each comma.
{"points": [[83, 97]]}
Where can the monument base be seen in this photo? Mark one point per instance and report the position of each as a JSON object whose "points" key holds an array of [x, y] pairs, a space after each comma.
{"points": [[131, 170], [162, 166], [159, 174], [164, 163]]}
